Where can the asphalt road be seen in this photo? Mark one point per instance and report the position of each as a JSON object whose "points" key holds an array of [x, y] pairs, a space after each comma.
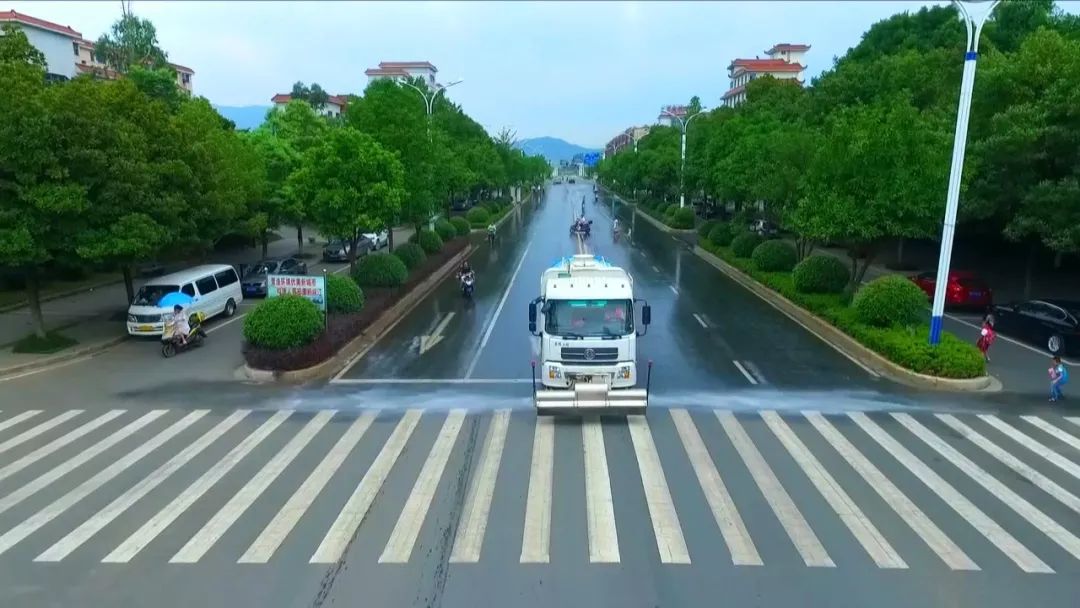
{"points": [[818, 485]]}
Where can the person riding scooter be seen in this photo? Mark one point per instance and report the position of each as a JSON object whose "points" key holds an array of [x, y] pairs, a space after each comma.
{"points": [[491, 233], [179, 324]]}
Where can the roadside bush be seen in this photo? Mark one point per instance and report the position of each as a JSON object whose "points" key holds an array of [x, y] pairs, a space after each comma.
{"points": [[461, 225], [743, 245], [343, 295], [380, 270], [682, 218], [283, 322], [430, 241], [411, 254], [478, 215], [445, 230], [706, 227], [820, 274], [721, 234], [890, 301], [775, 256]]}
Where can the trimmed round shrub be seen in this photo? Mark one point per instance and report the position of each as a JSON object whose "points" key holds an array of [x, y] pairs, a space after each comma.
{"points": [[820, 274], [721, 234], [743, 245], [890, 301], [380, 270], [478, 215], [411, 254], [682, 218], [343, 295], [775, 256], [430, 241], [461, 225], [445, 230], [706, 227], [283, 322]]}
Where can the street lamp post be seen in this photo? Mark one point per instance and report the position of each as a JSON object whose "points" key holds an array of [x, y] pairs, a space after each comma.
{"points": [[429, 98], [974, 24], [683, 124]]}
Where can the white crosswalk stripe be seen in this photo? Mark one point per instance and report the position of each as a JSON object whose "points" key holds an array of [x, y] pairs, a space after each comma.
{"points": [[462, 491], [44, 427], [16, 419]]}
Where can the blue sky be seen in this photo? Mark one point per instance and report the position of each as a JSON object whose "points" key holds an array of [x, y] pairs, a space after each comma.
{"points": [[582, 71]]}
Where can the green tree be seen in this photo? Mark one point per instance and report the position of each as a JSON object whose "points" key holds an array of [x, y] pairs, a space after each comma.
{"points": [[314, 94], [16, 48], [132, 41], [298, 128]]}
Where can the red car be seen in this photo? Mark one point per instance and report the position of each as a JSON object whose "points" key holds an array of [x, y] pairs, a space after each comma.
{"points": [[965, 289]]}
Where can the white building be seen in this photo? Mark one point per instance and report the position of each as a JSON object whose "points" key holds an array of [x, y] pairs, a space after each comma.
{"points": [[401, 70], [59, 43], [334, 106], [784, 62], [665, 117]]}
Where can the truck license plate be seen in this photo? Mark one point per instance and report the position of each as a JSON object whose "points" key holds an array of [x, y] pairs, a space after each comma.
{"points": [[145, 328]]}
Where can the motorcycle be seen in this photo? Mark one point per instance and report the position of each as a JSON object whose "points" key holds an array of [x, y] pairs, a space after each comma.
{"points": [[171, 344], [491, 238], [468, 284]]}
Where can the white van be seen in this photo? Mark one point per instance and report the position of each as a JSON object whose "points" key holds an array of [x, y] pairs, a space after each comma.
{"points": [[214, 288]]}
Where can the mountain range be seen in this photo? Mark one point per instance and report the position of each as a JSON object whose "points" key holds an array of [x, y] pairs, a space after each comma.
{"points": [[552, 148]]}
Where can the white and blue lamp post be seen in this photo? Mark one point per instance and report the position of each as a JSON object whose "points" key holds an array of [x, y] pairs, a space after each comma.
{"points": [[429, 97], [974, 15], [683, 123]]}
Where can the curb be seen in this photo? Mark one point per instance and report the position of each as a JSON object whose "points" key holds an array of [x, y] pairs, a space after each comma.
{"points": [[356, 348], [76, 353], [844, 343], [661, 225]]}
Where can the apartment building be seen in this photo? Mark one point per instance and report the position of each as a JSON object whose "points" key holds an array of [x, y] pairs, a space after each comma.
{"points": [[666, 119], [403, 70], [783, 61], [334, 106]]}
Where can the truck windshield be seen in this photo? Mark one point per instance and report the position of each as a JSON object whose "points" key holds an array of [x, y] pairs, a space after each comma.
{"points": [[589, 318]]}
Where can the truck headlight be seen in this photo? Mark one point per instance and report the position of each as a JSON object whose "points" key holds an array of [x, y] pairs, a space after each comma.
{"points": [[554, 373], [624, 372]]}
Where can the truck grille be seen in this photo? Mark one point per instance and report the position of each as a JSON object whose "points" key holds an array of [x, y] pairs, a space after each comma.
{"points": [[590, 354], [147, 318]]}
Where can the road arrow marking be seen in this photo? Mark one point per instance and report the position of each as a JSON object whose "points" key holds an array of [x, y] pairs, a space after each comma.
{"points": [[428, 342]]}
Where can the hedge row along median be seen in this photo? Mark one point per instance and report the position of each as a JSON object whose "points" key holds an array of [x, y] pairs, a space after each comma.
{"points": [[279, 335], [884, 315], [670, 214]]}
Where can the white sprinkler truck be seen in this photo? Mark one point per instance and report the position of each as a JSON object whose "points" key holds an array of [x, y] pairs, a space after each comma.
{"points": [[588, 339]]}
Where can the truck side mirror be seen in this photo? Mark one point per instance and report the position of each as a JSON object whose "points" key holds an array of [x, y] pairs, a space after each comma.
{"points": [[532, 312], [646, 314]]}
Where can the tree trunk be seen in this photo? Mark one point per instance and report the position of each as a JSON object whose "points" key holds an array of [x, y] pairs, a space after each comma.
{"points": [[33, 298], [1032, 255], [389, 239], [129, 282], [299, 239], [900, 252], [265, 238], [858, 278], [354, 242]]}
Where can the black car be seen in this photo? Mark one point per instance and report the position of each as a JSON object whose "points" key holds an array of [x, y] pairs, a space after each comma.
{"points": [[1052, 324], [254, 281], [337, 250]]}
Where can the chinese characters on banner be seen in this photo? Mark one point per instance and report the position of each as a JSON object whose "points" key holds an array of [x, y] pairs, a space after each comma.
{"points": [[312, 288]]}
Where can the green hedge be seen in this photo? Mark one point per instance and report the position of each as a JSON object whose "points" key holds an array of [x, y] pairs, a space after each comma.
{"points": [[821, 274], [411, 254], [380, 270], [775, 256], [445, 230], [890, 301], [430, 241], [744, 244], [721, 234], [478, 215], [461, 225], [706, 227], [283, 322], [343, 295], [682, 218], [905, 346]]}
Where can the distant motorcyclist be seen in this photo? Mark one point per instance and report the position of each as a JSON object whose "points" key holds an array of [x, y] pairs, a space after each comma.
{"points": [[465, 269], [491, 232]]}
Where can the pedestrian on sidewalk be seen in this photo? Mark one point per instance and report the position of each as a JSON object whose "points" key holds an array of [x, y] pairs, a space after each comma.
{"points": [[1059, 377], [986, 337]]}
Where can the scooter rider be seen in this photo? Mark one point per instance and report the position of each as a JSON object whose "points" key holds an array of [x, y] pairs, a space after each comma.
{"points": [[465, 270], [180, 326], [491, 232]]}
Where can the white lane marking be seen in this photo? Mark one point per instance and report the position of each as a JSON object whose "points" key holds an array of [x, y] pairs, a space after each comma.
{"points": [[197, 546], [1011, 340], [340, 270], [1073, 419], [234, 319], [275, 532], [665, 520], [32, 432], [399, 547], [1025, 559], [745, 373], [72, 498], [122, 503], [470, 532], [599, 506], [1036, 478], [860, 525], [1055, 531], [755, 371], [340, 534], [736, 536], [673, 289], [1053, 431], [701, 321], [58, 443], [177, 506], [432, 381], [498, 311], [13, 498], [428, 341], [536, 537], [656, 268], [10, 422], [926, 529], [1046, 452], [796, 526]]}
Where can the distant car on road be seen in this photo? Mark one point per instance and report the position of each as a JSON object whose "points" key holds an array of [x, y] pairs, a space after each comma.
{"points": [[964, 290], [254, 281], [378, 240], [572, 181], [1051, 324], [764, 228], [337, 250]]}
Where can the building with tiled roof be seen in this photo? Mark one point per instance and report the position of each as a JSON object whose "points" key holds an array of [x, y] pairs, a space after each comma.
{"points": [[404, 70], [334, 106], [87, 62], [665, 117], [784, 62]]}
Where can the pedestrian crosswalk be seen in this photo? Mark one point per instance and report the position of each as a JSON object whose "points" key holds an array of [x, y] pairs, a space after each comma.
{"points": [[891, 490]]}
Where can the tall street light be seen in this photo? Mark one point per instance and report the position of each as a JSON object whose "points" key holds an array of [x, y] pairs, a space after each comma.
{"points": [[429, 97], [683, 123], [974, 14]]}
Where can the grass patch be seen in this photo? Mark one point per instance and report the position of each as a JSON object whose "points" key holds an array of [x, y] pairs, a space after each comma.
{"points": [[51, 343]]}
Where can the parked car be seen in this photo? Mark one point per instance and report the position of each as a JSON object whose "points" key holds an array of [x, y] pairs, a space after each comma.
{"points": [[213, 289], [1051, 324], [378, 240], [764, 228], [254, 282], [571, 180], [964, 289], [337, 250], [461, 205]]}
